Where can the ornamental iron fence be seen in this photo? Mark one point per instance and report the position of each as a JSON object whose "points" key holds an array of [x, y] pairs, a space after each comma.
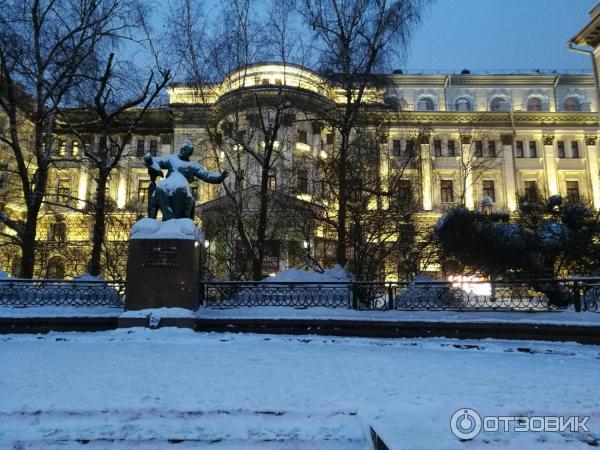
{"points": [[529, 295], [21, 293]]}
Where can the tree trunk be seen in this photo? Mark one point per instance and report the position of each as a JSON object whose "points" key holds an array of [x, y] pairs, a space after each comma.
{"points": [[340, 249], [261, 229], [28, 240], [99, 230]]}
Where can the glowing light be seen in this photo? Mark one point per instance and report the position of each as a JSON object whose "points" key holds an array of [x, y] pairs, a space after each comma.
{"points": [[471, 284]]}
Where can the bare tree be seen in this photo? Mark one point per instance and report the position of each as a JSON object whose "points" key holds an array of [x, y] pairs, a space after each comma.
{"points": [[44, 48], [250, 134], [114, 108], [354, 40]]}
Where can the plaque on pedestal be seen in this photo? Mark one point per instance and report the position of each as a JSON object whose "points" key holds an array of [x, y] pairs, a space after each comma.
{"points": [[163, 265]]}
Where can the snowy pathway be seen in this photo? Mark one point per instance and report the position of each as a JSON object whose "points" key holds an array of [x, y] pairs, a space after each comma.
{"points": [[142, 384]]}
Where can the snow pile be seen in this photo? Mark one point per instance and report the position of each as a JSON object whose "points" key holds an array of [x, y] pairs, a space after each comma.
{"points": [[337, 274], [4, 275], [87, 277], [184, 229]]}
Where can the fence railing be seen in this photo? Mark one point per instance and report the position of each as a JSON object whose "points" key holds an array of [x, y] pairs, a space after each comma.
{"points": [[531, 295], [20, 292]]}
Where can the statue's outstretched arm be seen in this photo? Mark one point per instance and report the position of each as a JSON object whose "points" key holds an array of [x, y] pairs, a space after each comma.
{"points": [[210, 177], [155, 163]]}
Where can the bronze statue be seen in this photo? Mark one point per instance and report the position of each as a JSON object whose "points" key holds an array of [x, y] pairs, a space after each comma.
{"points": [[173, 195]]}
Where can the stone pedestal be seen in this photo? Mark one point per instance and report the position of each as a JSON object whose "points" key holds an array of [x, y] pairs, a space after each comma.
{"points": [[163, 265]]}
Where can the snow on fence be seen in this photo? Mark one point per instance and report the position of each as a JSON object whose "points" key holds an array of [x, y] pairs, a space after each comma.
{"points": [[22, 292], [530, 295]]}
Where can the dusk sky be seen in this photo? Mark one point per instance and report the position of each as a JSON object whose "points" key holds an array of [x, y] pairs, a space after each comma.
{"points": [[500, 34]]}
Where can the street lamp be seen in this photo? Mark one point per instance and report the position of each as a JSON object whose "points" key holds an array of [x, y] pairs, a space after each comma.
{"points": [[487, 205]]}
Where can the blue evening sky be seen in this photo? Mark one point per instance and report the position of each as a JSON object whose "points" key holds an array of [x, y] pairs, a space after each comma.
{"points": [[500, 34]]}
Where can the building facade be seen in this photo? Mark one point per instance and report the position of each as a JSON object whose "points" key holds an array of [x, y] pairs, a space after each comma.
{"points": [[451, 139]]}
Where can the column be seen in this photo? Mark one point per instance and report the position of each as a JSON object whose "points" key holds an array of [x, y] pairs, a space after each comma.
{"points": [[467, 165], [83, 187], [550, 165], [121, 188], [426, 175], [592, 166], [508, 170]]}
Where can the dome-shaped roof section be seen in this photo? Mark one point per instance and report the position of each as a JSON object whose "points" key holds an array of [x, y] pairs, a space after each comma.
{"points": [[275, 73]]}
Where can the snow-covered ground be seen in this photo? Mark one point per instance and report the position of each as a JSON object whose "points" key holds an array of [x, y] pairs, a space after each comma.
{"points": [[568, 317], [284, 392]]}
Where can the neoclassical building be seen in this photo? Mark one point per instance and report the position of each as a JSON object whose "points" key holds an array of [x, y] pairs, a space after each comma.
{"points": [[470, 136]]}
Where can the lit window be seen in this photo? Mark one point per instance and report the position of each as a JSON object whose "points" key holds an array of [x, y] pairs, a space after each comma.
{"points": [[531, 191], [573, 191], [272, 182], [143, 186], [488, 189], [75, 148], [447, 191], [62, 147]]}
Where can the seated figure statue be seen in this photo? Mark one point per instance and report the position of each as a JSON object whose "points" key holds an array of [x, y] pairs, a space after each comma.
{"points": [[173, 195]]}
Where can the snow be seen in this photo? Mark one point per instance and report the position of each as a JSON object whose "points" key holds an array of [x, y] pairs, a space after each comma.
{"points": [[4, 275], [142, 384], [158, 313], [87, 277], [337, 274], [147, 228], [323, 313]]}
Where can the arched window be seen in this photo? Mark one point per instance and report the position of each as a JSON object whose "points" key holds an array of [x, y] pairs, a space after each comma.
{"points": [[56, 268], [534, 104], [572, 104], [425, 104], [463, 104], [499, 104]]}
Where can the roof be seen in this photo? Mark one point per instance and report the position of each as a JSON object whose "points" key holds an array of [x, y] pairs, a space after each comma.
{"points": [[590, 34]]}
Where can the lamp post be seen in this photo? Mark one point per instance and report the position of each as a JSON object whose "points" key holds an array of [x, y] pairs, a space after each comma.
{"points": [[487, 205]]}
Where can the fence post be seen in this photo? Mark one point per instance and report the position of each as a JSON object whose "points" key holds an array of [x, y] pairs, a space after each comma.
{"points": [[202, 293], [577, 296], [390, 297], [354, 295]]}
